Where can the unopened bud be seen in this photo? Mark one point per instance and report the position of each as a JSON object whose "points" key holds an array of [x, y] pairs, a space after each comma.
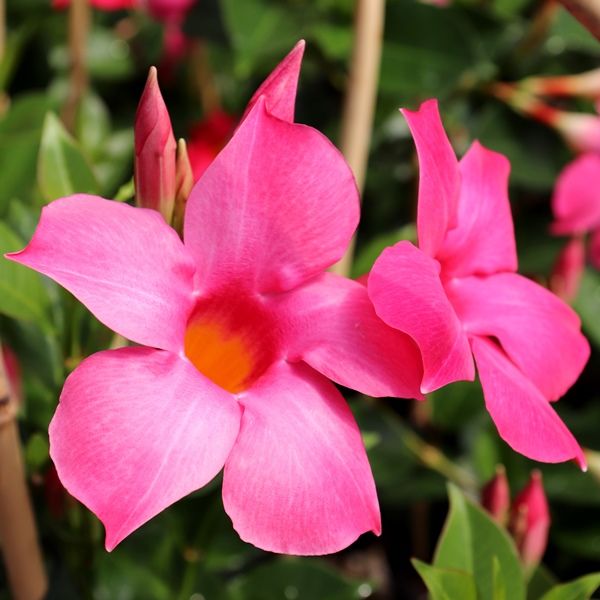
{"points": [[184, 184], [154, 151], [568, 270], [585, 85], [495, 496], [530, 521]]}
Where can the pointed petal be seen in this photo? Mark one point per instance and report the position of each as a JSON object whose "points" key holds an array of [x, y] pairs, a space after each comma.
{"points": [[483, 242], [298, 480], [279, 88], [137, 429], [539, 332], [407, 293], [576, 203], [125, 264], [525, 420], [439, 177], [277, 206], [332, 326]]}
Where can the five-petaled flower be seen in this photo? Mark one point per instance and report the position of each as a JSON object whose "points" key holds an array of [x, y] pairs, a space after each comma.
{"points": [[458, 296], [239, 329]]}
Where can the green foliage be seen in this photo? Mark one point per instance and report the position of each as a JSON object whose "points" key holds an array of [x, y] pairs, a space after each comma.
{"points": [[580, 589], [62, 167], [446, 584]]}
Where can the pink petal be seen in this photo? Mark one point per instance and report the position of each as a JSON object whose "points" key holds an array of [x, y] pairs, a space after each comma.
{"points": [[277, 206], [279, 88], [439, 177], [594, 250], [525, 420], [407, 293], [332, 326], [576, 199], [298, 480], [539, 332], [125, 264], [483, 241], [136, 430]]}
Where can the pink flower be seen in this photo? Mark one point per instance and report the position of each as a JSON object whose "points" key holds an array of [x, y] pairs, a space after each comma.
{"points": [[458, 297], [101, 4], [568, 270], [576, 201], [207, 139], [239, 329], [495, 496], [530, 521]]}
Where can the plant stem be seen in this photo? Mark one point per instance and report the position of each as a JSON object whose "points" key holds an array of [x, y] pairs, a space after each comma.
{"points": [[79, 27], [18, 536], [2, 29], [587, 12], [359, 107]]}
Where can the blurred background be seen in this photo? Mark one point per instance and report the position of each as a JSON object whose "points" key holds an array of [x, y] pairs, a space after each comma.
{"points": [[211, 56]]}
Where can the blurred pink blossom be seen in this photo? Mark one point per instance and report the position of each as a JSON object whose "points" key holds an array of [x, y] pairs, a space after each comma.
{"points": [[238, 331], [458, 296], [585, 85], [207, 139]]}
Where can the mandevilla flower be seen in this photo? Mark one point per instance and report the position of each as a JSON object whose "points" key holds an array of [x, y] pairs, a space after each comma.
{"points": [[576, 202], [239, 329], [458, 297]]}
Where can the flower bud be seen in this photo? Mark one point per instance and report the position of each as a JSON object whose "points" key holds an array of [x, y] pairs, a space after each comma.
{"points": [[495, 496], [595, 248], [169, 10], [185, 182], [586, 85], [154, 151], [568, 270], [530, 521]]}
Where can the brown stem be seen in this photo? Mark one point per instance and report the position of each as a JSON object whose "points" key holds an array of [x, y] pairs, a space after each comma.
{"points": [[18, 536], [79, 27], [587, 12], [2, 29], [203, 78], [359, 108]]}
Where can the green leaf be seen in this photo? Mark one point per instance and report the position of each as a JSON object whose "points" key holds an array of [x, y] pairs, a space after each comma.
{"points": [[296, 578], [541, 581], [22, 294], [446, 584], [36, 452], [580, 589], [473, 542], [62, 168], [587, 304]]}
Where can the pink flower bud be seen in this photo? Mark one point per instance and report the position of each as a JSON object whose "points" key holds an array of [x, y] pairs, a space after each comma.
{"points": [[585, 84], [530, 521], [568, 270], [154, 151], [495, 496], [595, 248], [580, 130]]}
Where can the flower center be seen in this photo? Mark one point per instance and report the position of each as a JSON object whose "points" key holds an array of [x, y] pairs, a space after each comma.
{"points": [[230, 343]]}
